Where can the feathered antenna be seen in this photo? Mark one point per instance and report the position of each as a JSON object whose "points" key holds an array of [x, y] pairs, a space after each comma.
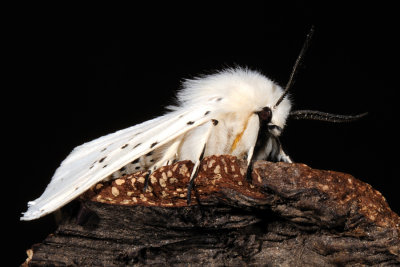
{"points": [[295, 67], [323, 116]]}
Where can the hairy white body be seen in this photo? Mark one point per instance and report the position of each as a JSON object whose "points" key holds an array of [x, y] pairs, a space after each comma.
{"points": [[215, 114], [234, 96]]}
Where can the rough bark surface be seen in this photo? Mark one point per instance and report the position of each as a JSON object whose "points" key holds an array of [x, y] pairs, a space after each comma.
{"points": [[289, 215]]}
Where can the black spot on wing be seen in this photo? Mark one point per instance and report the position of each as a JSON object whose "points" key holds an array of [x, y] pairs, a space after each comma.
{"points": [[105, 166], [92, 165], [135, 161], [122, 169], [149, 154], [207, 112], [124, 146], [101, 160], [215, 99], [137, 168], [215, 122], [190, 122], [104, 149], [153, 144]]}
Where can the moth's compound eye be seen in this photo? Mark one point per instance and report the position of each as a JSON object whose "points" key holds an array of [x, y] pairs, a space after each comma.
{"points": [[265, 114]]}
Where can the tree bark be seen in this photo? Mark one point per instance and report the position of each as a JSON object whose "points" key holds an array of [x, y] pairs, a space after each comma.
{"points": [[287, 215]]}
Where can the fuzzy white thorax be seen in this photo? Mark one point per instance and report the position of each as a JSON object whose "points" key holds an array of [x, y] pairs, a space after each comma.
{"points": [[237, 94], [243, 91]]}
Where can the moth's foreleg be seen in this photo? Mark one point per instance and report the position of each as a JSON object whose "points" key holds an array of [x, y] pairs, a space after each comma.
{"points": [[277, 151], [199, 149], [283, 157], [273, 151]]}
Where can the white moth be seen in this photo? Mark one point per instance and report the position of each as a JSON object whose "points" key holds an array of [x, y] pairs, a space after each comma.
{"points": [[236, 111]]}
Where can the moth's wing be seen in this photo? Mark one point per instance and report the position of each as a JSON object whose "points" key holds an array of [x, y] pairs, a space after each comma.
{"points": [[91, 162]]}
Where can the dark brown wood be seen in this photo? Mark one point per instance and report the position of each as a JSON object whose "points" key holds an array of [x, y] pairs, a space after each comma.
{"points": [[289, 215]]}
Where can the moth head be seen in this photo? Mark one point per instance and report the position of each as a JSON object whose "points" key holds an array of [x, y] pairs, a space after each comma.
{"points": [[274, 118], [265, 116]]}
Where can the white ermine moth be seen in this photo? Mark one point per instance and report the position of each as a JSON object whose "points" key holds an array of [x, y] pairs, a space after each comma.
{"points": [[236, 111]]}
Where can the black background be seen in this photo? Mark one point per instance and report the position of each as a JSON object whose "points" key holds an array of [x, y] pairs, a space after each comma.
{"points": [[81, 72]]}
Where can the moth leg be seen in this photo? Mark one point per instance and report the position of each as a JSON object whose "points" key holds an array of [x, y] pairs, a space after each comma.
{"points": [[169, 155], [194, 175], [283, 157], [253, 128], [146, 180], [280, 156], [203, 142]]}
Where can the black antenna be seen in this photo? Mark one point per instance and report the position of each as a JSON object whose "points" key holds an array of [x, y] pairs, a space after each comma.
{"points": [[323, 116], [295, 67]]}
